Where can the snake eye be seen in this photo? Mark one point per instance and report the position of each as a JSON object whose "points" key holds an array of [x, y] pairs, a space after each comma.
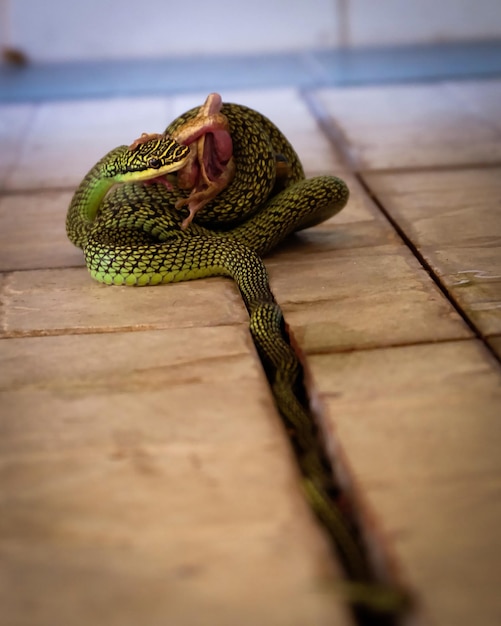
{"points": [[155, 163]]}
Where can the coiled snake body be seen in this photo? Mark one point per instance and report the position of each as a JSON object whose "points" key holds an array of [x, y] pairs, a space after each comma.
{"points": [[138, 234], [132, 233]]}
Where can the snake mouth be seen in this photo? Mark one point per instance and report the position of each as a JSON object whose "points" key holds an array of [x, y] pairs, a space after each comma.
{"points": [[150, 174]]}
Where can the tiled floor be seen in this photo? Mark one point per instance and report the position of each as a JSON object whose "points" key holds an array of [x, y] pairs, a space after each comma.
{"points": [[145, 474]]}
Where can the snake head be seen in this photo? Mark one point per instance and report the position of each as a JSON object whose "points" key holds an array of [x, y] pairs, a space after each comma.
{"points": [[149, 157]]}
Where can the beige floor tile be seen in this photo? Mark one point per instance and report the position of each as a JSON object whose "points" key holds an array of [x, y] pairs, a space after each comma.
{"points": [[447, 538], [477, 288], [432, 408], [146, 477], [56, 386], [216, 577], [362, 298], [15, 122], [55, 301], [119, 486], [414, 125], [33, 233], [419, 427], [68, 138], [59, 388], [453, 219]]}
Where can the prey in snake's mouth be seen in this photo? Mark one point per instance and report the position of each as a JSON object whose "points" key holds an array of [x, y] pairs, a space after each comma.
{"points": [[209, 167]]}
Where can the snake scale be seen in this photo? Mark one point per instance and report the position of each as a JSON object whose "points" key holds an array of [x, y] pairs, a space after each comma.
{"points": [[139, 234]]}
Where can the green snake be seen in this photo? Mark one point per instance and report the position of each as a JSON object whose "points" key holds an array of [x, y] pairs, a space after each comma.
{"points": [[139, 234]]}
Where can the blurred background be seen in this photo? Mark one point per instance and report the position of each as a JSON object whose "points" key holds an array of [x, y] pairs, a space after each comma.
{"points": [[56, 47], [58, 30]]}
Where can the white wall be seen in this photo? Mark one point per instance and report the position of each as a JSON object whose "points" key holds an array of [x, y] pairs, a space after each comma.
{"points": [[386, 22], [74, 29], [57, 30]]}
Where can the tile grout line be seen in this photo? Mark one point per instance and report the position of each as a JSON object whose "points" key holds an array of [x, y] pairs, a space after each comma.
{"points": [[6, 192], [423, 169], [340, 144], [387, 346], [429, 270]]}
